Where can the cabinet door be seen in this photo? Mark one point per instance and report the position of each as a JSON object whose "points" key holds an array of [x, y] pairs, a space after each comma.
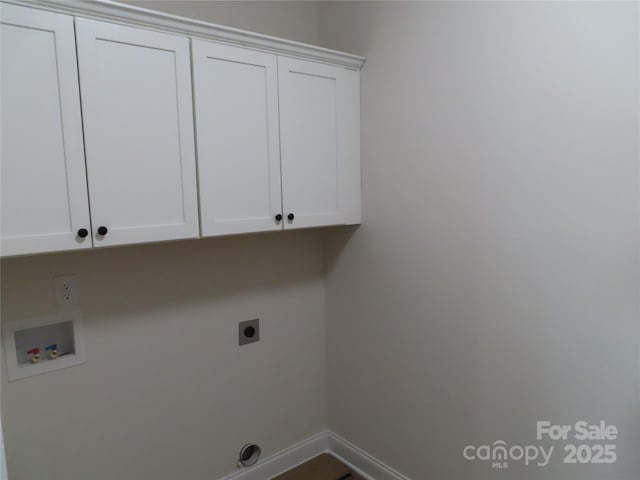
{"points": [[320, 143], [138, 124], [236, 105], [44, 187]]}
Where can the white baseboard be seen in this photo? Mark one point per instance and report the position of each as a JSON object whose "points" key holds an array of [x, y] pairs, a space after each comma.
{"points": [[284, 460], [360, 461]]}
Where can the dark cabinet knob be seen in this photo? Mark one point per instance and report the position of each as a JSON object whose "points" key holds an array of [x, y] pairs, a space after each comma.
{"points": [[278, 217], [102, 231], [291, 216], [83, 232]]}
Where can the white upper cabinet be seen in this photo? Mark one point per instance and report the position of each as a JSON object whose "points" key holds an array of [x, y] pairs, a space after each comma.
{"points": [[44, 190], [98, 146], [320, 143], [236, 106], [138, 125]]}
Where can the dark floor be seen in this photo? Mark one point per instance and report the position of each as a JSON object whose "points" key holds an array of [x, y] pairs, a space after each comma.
{"points": [[322, 467]]}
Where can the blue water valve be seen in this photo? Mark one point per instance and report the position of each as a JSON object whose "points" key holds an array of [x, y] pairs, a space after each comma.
{"points": [[53, 351]]}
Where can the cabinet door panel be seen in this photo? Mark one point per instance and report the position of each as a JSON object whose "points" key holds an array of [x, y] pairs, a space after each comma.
{"points": [[44, 189], [319, 128], [236, 105], [136, 103]]}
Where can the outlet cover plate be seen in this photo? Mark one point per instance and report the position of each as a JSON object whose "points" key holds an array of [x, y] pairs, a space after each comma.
{"points": [[66, 290], [249, 331]]}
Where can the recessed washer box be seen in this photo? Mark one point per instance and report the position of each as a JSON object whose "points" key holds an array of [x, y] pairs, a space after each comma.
{"points": [[24, 337]]}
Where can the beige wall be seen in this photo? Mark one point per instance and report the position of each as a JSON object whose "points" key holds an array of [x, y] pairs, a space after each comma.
{"points": [[166, 392], [494, 281], [294, 20]]}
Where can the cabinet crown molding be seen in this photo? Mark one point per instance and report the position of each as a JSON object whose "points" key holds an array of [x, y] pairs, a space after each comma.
{"points": [[130, 15]]}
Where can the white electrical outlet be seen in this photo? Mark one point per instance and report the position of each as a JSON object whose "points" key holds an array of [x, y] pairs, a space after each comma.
{"points": [[65, 289]]}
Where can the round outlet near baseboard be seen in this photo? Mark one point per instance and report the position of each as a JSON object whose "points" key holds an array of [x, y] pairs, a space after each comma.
{"points": [[249, 455]]}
